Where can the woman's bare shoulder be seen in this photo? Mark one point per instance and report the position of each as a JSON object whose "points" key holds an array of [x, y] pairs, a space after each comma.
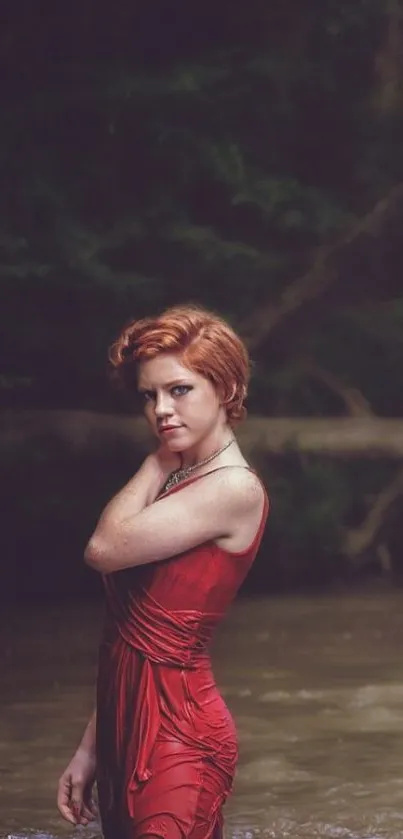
{"points": [[239, 482]]}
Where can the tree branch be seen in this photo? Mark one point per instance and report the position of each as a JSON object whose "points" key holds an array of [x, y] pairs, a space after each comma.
{"points": [[354, 401], [320, 277], [360, 539]]}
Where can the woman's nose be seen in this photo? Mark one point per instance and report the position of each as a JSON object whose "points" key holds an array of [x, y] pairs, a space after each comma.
{"points": [[163, 405]]}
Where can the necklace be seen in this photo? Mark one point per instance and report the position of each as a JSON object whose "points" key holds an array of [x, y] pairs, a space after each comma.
{"points": [[181, 474]]}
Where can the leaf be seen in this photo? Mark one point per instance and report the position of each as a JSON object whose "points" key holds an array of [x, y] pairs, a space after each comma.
{"points": [[211, 247]]}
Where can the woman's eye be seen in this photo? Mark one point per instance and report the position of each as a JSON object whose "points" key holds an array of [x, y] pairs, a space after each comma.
{"points": [[148, 395], [180, 390]]}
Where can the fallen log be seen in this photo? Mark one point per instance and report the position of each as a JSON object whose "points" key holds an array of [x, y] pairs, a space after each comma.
{"points": [[90, 432]]}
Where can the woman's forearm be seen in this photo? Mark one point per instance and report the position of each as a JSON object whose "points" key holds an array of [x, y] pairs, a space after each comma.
{"points": [[135, 495], [88, 739], [138, 493]]}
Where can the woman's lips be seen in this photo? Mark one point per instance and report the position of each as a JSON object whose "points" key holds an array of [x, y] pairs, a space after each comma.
{"points": [[168, 429]]}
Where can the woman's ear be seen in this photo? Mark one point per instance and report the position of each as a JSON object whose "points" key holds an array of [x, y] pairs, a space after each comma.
{"points": [[225, 400]]}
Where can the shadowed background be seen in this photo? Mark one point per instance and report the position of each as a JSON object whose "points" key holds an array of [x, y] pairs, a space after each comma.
{"points": [[247, 157]]}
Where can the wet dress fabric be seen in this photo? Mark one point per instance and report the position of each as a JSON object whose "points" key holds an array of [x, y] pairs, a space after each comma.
{"points": [[166, 742]]}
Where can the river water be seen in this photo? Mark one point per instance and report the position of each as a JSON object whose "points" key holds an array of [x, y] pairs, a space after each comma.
{"points": [[316, 688]]}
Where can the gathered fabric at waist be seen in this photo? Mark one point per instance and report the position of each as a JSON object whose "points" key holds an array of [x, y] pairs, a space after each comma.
{"points": [[174, 638], [155, 680]]}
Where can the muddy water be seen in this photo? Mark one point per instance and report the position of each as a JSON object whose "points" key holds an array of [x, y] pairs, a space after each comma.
{"points": [[316, 687]]}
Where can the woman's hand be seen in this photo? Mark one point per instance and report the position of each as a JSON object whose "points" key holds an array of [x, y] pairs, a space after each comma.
{"points": [[168, 461], [74, 794], [161, 464]]}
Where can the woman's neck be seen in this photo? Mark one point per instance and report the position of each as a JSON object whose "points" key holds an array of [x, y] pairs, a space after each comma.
{"points": [[207, 448]]}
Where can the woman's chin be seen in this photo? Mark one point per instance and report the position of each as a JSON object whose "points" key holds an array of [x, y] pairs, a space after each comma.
{"points": [[171, 444], [174, 445]]}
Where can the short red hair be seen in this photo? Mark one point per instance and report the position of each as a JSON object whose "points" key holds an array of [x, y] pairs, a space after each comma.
{"points": [[206, 343]]}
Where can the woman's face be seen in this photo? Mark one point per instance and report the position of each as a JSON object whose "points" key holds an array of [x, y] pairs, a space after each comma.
{"points": [[181, 406]]}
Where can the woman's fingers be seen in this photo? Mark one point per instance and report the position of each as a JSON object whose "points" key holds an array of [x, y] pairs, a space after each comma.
{"points": [[88, 812], [71, 804], [64, 799], [74, 794], [89, 808], [80, 802], [76, 806]]}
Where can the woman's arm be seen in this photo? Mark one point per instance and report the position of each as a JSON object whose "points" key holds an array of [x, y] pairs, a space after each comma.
{"points": [[74, 794], [87, 743], [217, 506], [138, 493]]}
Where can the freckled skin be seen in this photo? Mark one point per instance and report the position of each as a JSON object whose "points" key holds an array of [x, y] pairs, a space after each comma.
{"points": [[166, 747], [175, 395]]}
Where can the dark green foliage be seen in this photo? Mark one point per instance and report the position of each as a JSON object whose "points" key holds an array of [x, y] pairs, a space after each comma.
{"points": [[170, 152], [146, 160]]}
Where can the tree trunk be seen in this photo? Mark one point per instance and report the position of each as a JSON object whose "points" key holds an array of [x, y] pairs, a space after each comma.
{"points": [[389, 62]]}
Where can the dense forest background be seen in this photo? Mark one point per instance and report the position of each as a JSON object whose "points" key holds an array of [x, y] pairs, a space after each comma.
{"points": [[245, 156]]}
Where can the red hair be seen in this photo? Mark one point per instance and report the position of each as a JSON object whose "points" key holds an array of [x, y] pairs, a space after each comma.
{"points": [[206, 343]]}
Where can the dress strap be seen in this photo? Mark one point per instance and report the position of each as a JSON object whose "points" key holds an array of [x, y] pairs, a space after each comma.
{"points": [[226, 466]]}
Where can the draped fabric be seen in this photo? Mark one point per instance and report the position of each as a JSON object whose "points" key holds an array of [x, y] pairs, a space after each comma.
{"points": [[166, 742]]}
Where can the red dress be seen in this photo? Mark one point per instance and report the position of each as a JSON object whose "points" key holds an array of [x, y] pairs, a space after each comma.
{"points": [[166, 742]]}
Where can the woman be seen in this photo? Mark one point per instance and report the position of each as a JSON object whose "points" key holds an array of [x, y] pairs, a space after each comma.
{"points": [[173, 546]]}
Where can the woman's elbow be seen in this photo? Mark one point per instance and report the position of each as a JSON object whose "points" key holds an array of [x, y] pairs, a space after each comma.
{"points": [[96, 557]]}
